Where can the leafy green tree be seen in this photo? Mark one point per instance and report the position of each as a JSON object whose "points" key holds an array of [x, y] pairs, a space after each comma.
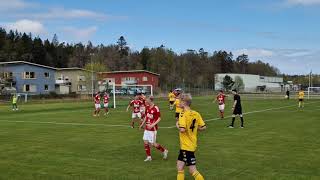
{"points": [[238, 83], [227, 83]]}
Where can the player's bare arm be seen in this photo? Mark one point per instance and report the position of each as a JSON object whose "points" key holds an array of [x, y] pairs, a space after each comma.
{"points": [[128, 107], [154, 124], [142, 123], [234, 104], [202, 128]]}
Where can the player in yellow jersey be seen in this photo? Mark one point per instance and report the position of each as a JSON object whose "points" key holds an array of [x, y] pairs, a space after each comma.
{"points": [[172, 98], [177, 103], [301, 98], [190, 122]]}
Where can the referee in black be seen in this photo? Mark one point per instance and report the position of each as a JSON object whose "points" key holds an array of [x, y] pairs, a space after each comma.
{"points": [[237, 109]]}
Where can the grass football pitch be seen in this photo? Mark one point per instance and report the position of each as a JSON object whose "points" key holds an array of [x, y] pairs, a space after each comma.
{"points": [[63, 141]]}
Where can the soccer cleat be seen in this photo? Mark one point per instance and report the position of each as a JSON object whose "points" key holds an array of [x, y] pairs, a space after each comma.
{"points": [[230, 126], [148, 159], [241, 127], [165, 154]]}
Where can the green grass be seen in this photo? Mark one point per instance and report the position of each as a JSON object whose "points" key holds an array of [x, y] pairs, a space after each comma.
{"points": [[275, 144]]}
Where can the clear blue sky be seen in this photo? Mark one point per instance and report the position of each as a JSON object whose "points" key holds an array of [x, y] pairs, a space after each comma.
{"points": [[285, 33]]}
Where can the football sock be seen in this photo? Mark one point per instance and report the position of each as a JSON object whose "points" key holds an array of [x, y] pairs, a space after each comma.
{"points": [[241, 118], [160, 148], [147, 149], [233, 119], [222, 114], [197, 176], [180, 175]]}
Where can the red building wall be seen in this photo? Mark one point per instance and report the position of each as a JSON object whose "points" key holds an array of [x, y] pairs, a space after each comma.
{"points": [[152, 79]]}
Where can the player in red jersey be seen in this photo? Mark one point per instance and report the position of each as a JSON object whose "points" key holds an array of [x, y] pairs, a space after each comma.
{"points": [[150, 131], [136, 112], [221, 97], [97, 104], [106, 103], [142, 98]]}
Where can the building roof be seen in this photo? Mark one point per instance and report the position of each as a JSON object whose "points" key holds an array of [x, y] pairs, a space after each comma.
{"points": [[131, 71], [25, 62]]}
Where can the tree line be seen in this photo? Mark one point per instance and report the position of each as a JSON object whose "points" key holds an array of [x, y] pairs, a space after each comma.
{"points": [[193, 67]]}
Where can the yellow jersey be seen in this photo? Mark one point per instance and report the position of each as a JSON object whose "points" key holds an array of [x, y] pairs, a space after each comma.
{"points": [[14, 100], [191, 121], [171, 96], [177, 104], [301, 95]]}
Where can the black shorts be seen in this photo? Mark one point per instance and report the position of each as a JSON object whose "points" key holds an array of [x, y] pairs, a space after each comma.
{"points": [[300, 100], [171, 102], [237, 111], [187, 157], [177, 115]]}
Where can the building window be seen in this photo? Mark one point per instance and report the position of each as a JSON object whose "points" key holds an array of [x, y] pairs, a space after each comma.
{"points": [[46, 74], [29, 88], [46, 87], [29, 75], [7, 75], [145, 78], [82, 88], [82, 78]]}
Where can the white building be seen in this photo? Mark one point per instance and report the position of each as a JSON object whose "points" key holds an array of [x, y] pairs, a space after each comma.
{"points": [[253, 83]]}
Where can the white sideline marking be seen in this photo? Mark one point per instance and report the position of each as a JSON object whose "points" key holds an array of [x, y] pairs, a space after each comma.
{"points": [[252, 112], [112, 125]]}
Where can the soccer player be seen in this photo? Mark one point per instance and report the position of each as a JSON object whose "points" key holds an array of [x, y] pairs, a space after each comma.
{"points": [[106, 103], [221, 101], [152, 120], [97, 104], [177, 105], [14, 103], [288, 94], [190, 122], [171, 97], [236, 108], [301, 98], [136, 112]]}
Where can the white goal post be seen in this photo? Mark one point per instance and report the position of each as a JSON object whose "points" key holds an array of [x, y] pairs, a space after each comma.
{"points": [[120, 90], [313, 91]]}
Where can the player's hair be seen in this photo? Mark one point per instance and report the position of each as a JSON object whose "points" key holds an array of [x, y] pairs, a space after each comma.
{"points": [[234, 90], [187, 98], [221, 91]]}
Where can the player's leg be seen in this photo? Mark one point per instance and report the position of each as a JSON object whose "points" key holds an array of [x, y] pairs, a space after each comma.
{"points": [[191, 163], [180, 165], [221, 109], [242, 121], [195, 173], [146, 142], [98, 106], [158, 146], [300, 103], [232, 122]]}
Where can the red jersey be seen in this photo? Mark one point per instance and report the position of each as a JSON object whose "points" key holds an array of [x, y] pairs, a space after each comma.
{"points": [[143, 102], [136, 104], [221, 99], [152, 115], [105, 99], [97, 99]]}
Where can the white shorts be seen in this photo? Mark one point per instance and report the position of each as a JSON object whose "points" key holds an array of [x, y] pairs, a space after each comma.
{"points": [[105, 105], [221, 107], [142, 110], [150, 136], [97, 106], [136, 115]]}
